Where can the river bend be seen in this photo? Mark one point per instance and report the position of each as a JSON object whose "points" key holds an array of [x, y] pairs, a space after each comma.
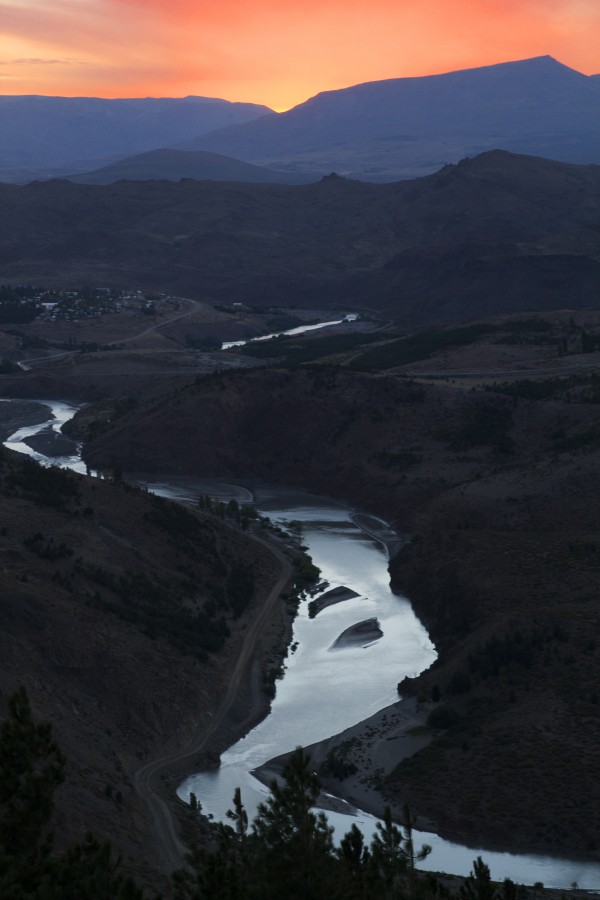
{"points": [[323, 692]]}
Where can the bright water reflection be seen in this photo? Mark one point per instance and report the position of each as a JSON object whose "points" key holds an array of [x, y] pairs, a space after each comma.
{"points": [[322, 692], [59, 414], [300, 329]]}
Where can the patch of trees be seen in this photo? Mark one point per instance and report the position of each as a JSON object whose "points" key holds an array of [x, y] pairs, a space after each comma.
{"points": [[204, 343], [589, 341], [28, 341], [514, 648], [294, 350], [305, 572], [282, 321], [418, 346], [527, 331], [582, 388], [240, 513], [528, 389], [240, 587], [487, 425], [517, 651], [31, 768], [178, 522], [444, 716], [157, 609], [400, 460], [49, 486], [47, 549], [425, 344], [16, 313], [287, 851], [337, 764], [582, 440]]}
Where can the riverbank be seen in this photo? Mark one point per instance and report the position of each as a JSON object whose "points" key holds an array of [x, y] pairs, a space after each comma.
{"points": [[380, 531], [352, 765], [16, 414]]}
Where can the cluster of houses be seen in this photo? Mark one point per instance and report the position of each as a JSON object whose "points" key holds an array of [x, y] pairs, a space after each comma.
{"points": [[94, 302], [54, 304]]}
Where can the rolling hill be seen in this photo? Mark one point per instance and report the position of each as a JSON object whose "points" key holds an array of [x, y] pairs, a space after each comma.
{"points": [[39, 135], [172, 165]]}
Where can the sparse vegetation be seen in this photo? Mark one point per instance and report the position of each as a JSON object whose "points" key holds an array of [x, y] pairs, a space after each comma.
{"points": [[49, 486], [417, 347]]}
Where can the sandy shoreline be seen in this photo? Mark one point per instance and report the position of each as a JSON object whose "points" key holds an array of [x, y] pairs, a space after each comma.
{"points": [[374, 746]]}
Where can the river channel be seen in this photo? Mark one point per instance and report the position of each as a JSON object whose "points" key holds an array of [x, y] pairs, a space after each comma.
{"points": [[300, 329], [323, 691]]}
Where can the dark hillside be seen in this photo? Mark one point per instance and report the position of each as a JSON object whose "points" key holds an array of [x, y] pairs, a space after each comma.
{"points": [[498, 233], [116, 614], [499, 488]]}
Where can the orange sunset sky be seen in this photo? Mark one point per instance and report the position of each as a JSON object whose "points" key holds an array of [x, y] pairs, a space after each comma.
{"points": [[272, 51]]}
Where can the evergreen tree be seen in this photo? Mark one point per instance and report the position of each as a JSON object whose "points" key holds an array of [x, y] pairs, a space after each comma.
{"points": [[356, 858], [239, 815], [479, 885], [412, 856], [31, 768], [389, 858], [294, 845], [88, 871]]}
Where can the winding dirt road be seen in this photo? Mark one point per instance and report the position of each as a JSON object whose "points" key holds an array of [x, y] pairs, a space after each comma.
{"points": [[147, 779], [27, 364], [195, 306]]}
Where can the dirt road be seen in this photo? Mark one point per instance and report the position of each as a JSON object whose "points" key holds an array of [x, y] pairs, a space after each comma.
{"points": [[147, 779], [195, 305]]}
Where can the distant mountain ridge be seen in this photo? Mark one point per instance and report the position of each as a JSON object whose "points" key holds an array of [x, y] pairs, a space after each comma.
{"points": [[406, 127], [60, 132], [379, 131]]}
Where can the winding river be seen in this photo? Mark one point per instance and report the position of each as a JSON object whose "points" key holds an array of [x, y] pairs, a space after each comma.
{"points": [[323, 691]]}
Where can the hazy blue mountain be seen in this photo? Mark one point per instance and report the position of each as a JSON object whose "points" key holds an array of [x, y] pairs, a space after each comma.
{"points": [[54, 133], [172, 165], [405, 127]]}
